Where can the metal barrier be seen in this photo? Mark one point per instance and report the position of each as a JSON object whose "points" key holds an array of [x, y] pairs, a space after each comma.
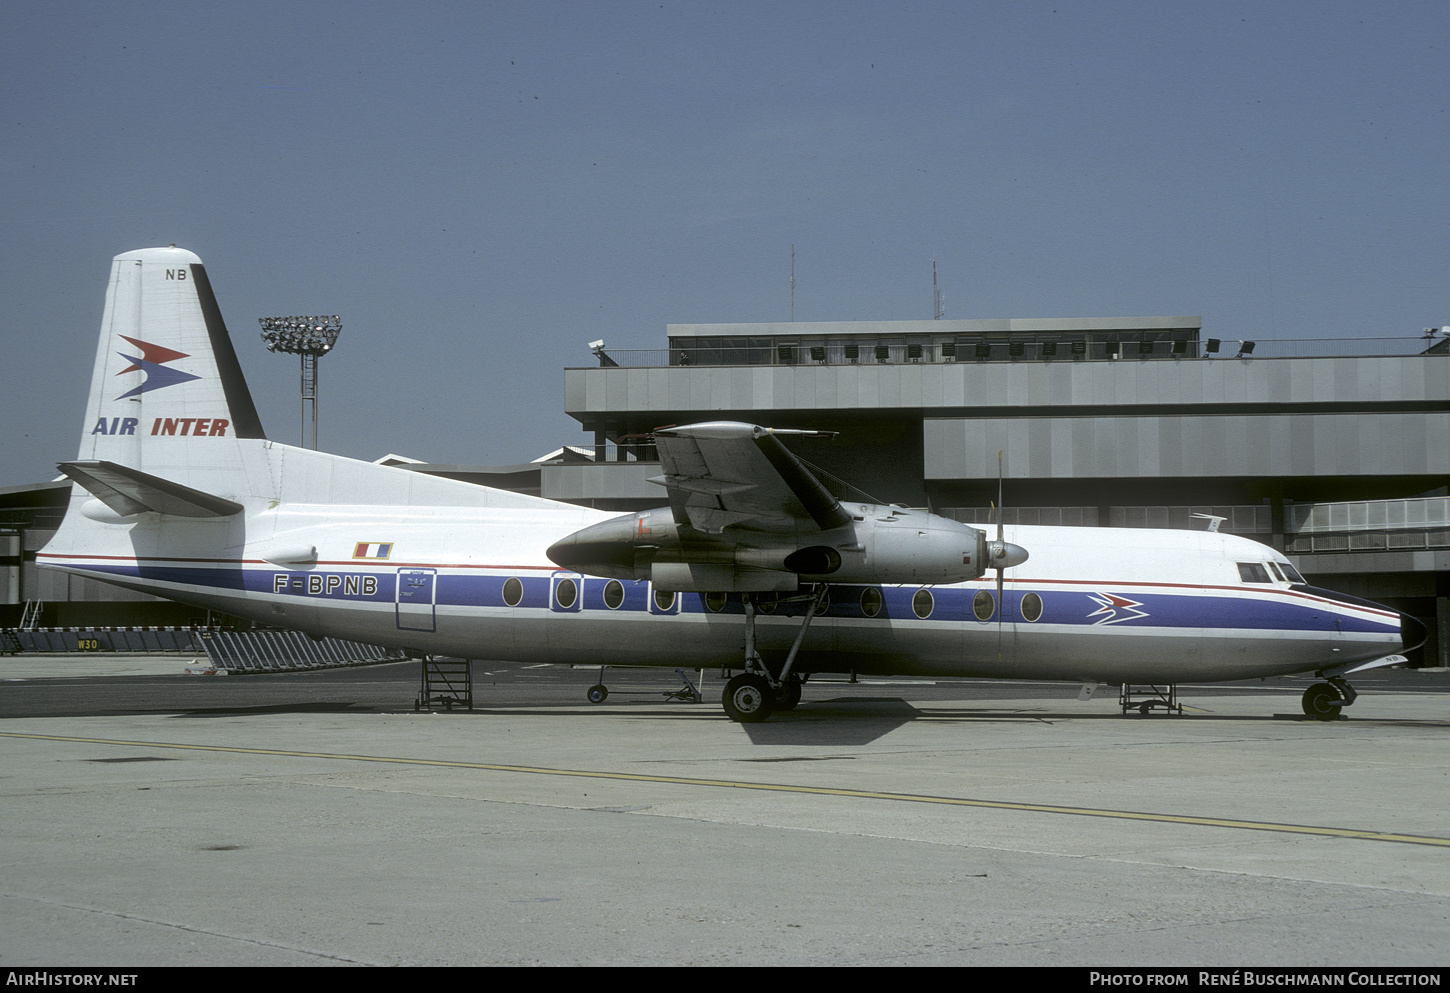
{"points": [[1415, 513], [236, 651], [278, 651], [141, 639]]}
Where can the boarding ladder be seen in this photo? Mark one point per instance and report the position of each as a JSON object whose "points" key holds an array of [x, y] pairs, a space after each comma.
{"points": [[1145, 699], [30, 616], [445, 682]]}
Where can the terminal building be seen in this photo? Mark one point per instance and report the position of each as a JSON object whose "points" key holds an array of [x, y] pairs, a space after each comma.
{"points": [[1331, 450], [1335, 451]]}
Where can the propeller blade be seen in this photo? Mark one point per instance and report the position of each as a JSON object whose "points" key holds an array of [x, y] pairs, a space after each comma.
{"points": [[1000, 607], [999, 500], [1000, 551]]}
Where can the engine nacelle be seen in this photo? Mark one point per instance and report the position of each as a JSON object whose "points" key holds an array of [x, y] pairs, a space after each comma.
{"points": [[881, 545]]}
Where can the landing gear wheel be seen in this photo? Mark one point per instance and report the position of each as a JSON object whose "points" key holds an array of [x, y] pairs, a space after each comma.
{"points": [[1322, 702], [748, 698], [788, 695], [598, 693]]}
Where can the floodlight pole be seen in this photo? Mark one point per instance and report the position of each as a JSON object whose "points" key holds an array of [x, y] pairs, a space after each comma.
{"points": [[309, 392], [309, 338]]}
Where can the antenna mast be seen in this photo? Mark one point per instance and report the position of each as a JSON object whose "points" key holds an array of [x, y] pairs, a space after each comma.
{"points": [[792, 283]]}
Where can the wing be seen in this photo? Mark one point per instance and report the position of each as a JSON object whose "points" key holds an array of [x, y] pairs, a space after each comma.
{"points": [[723, 474]]}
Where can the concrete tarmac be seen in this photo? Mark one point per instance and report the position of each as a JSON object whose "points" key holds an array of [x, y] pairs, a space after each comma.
{"points": [[880, 826]]}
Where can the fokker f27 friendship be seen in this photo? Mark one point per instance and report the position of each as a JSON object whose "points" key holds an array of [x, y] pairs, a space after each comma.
{"points": [[758, 565]]}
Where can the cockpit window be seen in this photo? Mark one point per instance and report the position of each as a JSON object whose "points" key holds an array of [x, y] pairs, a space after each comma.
{"points": [[1274, 568], [1253, 572], [1292, 574]]}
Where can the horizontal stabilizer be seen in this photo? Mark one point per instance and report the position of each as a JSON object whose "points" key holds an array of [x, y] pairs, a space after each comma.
{"points": [[130, 491]]}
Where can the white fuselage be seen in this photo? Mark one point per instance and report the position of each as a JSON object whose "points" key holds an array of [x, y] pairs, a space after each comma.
{"points": [[1110, 605]]}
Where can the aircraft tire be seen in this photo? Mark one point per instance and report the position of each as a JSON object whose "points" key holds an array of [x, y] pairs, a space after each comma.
{"points": [[788, 695], [1322, 702], [598, 693], [748, 698]]}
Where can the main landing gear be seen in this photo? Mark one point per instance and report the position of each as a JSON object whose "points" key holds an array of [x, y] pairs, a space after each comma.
{"points": [[1323, 701], [749, 697], [755, 694]]}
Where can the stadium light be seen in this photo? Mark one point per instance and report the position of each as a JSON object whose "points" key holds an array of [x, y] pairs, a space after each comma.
{"points": [[308, 337]]}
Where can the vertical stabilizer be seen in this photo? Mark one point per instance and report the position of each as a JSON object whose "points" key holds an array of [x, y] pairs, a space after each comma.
{"points": [[167, 389]]}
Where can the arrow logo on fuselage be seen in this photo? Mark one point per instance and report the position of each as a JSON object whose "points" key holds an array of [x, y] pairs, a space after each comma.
{"points": [[1114, 609]]}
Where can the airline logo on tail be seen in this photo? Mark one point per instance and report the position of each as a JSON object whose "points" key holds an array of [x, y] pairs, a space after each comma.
{"points": [[152, 361]]}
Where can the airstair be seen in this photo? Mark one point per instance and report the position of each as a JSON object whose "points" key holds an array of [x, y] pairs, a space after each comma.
{"points": [[445, 683], [30, 616], [1146, 699]]}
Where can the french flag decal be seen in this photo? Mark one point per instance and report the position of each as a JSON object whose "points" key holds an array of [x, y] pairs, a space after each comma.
{"points": [[372, 550]]}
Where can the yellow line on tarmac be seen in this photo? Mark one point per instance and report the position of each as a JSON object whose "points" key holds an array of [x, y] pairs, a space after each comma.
{"points": [[1041, 808]]}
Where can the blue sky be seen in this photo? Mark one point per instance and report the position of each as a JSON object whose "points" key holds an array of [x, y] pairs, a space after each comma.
{"points": [[480, 189]]}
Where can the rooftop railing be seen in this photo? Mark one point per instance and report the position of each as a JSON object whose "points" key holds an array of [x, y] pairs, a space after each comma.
{"points": [[1415, 513], [1019, 348]]}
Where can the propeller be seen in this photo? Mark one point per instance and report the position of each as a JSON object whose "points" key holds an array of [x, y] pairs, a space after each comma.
{"points": [[1002, 555]]}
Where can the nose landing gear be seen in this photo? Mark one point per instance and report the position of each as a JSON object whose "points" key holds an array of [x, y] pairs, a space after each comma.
{"points": [[1323, 701]]}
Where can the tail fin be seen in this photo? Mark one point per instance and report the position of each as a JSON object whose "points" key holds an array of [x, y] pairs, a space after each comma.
{"points": [[167, 385]]}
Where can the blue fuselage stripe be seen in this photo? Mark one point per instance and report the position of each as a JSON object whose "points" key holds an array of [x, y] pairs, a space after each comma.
{"points": [[1131, 606]]}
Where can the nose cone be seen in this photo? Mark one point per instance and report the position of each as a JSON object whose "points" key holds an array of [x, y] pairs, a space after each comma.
{"points": [[1412, 633], [1004, 554]]}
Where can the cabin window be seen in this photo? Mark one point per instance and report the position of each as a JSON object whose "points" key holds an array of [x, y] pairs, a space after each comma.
{"points": [[1253, 572], [984, 605], [870, 601], [613, 594], [824, 605], [1031, 607], [922, 603], [716, 601], [664, 599], [513, 592], [565, 593]]}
